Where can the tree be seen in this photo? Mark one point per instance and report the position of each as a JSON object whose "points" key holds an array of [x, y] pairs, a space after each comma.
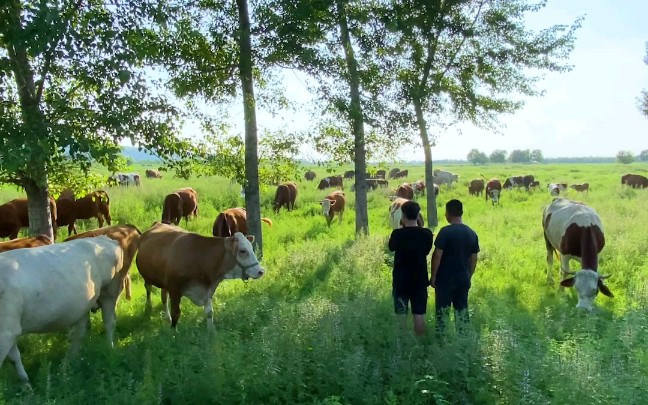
{"points": [[643, 156], [497, 156], [72, 87], [643, 100], [467, 60], [625, 157], [536, 155], [476, 157], [520, 156]]}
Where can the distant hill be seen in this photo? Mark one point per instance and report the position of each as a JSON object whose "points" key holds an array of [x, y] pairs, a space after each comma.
{"points": [[138, 156]]}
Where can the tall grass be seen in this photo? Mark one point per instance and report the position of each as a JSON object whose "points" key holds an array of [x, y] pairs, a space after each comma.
{"points": [[319, 327]]}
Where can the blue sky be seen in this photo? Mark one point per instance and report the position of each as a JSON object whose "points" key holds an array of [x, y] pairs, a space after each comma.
{"points": [[590, 111]]}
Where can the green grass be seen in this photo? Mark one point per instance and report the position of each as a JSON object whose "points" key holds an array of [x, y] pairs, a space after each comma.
{"points": [[319, 327]]}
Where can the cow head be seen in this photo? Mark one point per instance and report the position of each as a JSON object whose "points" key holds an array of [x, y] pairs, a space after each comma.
{"points": [[494, 195], [326, 206], [247, 266], [587, 283]]}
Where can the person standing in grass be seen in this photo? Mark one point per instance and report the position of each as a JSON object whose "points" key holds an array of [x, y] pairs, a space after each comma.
{"points": [[411, 245], [453, 264]]}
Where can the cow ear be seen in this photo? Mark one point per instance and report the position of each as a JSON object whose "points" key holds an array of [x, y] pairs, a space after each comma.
{"points": [[568, 282], [332, 202], [231, 244], [250, 238], [604, 289]]}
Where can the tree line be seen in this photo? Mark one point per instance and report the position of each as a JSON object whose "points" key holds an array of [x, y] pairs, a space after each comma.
{"points": [[478, 157]]}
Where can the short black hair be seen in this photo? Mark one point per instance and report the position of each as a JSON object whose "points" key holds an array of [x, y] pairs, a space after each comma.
{"points": [[411, 210], [454, 208]]}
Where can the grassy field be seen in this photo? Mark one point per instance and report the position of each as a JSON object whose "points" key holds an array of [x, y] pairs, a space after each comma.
{"points": [[319, 327]]}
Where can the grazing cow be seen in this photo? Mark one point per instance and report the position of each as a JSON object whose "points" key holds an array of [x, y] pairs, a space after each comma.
{"points": [[153, 174], [185, 264], [405, 191], [554, 190], [634, 180], [285, 196], [580, 187], [23, 243], [93, 205], [233, 220], [575, 231], [373, 184], [13, 216], [310, 175], [331, 181], [189, 202], [419, 187], [534, 185], [476, 187], [380, 174], [54, 287], [393, 172], [332, 204], [396, 214], [349, 174], [172, 209], [401, 174], [444, 177], [128, 237], [493, 190], [125, 179], [519, 181]]}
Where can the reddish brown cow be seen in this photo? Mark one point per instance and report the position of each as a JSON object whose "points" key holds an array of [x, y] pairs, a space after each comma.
{"points": [[493, 190], [189, 202], [396, 214], [476, 187], [233, 220], [332, 181], [634, 180], [405, 191], [580, 187], [192, 265], [332, 204], [310, 175], [285, 195], [128, 237], [13, 216], [153, 174], [172, 209], [23, 243], [93, 205]]}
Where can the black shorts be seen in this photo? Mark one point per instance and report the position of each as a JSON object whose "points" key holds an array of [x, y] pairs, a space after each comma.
{"points": [[418, 298]]}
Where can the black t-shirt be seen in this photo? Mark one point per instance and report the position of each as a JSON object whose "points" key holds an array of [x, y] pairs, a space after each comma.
{"points": [[458, 243], [411, 246]]}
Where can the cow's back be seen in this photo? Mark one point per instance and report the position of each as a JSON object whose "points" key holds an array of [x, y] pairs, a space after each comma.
{"points": [[563, 213], [24, 243], [189, 201]]}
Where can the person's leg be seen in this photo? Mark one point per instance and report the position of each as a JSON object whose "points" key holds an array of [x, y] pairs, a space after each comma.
{"points": [[400, 308], [419, 307], [442, 302], [460, 303]]}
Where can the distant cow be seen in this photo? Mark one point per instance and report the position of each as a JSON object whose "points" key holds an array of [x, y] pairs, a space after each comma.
{"points": [[493, 190], [575, 231], [349, 174], [187, 264], [172, 209], [634, 180], [373, 184], [534, 185], [333, 204], [556, 189], [153, 174], [285, 196], [13, 216], [23, 243], [444, 177], [405, 191], [233, 220], [396, 214], [419, 187], [189, 202], [310, 175], [125, 179], [519, 181], [380, 174], [401, 175], [93, 205], [393, 172], [476, 187], [580, 187], [331, 181]]}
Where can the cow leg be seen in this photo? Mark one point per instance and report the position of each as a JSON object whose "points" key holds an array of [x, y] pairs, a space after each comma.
{"points": [[127, 287], [14, 356], [175, 307], [165, 303], [340, 217], [108, 315], [209, 313], [78, 332], [100, 220], [148, 287], [550, 253], [564, 266]]}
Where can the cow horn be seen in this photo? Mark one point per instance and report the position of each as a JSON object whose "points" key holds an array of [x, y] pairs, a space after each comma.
{"points": [[570, 272], [603, 277]]}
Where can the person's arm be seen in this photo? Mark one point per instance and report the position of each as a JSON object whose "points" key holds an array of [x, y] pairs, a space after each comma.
{"points": [[473, 264], [436, 260], [393, 242]]}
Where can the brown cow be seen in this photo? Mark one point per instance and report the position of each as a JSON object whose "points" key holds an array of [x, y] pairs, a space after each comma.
{"points": [[476, 187], [396, 214], [153, 174], [401, 174], [332, 181], [285, 195], [128, 237], [493, 190], [310, 175], [93, 205], [13, 216], [405, 191], [332, 204], [172, 209], [233, 220], [580, 187], [23, 243], [634, 180], [187, 264], [189, 202]]}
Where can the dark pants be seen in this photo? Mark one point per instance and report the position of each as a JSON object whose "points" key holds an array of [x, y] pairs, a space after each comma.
{"points": [[451, 293]]}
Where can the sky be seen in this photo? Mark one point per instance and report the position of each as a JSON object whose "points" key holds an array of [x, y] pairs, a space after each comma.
{"points": [[589, 111]]}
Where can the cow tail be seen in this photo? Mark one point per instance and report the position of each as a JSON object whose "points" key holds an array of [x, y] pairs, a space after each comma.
{"points": [[267, 221]]}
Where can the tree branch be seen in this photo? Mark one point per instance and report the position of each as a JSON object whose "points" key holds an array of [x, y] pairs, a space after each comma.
{"points": [[463, 40]]}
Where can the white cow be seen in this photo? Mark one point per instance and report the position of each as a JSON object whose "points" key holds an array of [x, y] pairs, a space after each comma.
{"points": [[444, 177], [126, 179], [51, 288]]}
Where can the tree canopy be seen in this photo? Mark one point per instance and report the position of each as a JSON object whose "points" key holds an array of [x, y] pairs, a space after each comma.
{"points": [[477, 157], [643, 100], [497, 156], [625, 157]]}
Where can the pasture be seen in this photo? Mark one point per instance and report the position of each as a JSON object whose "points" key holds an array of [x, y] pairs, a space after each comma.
{"points": [[319, 327]]}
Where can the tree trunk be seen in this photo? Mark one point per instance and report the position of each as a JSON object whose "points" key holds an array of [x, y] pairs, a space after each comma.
{"points": [[252, 203], [38, 209], [362, 215], [432, 214]]}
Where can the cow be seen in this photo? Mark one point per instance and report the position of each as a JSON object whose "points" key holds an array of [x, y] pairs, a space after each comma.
{"points": [[93, 205], [23, 243], [51, 288], [493, 190], [401, 174], [519, 181], [349, 174], [396, 214], [13, 216], [405, 190], [393, 172], [373, 184], [331, 181], [534, 185], [580, 187], [419, 187], [128, 237], [185, 264], [310, 175], [380, 174], [476, 187], [285, 196], [575, 231], [172, 209], [333, 204], [553, 189], [153, 174], [444, 177], [436, 189], [233, 220], [125, 179], [634, 180], [189, 202]]}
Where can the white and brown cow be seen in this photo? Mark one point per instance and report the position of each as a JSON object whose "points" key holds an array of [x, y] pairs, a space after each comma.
{"points": [[493, 190], [396, 214], [332, 204], [575, 231]]}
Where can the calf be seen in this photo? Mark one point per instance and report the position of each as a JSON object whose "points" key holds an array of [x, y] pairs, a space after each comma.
{"points": [[185, 264], [333, 204], [396, 214], [575, 231], [580, 187], [493, 190], [14, 215], [23, 243], [476, 187], [233, 220], [285, 196]]}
